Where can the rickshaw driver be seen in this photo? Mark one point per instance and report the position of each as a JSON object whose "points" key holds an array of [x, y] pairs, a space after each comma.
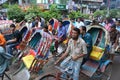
{"points": [[15, 40], [76, 50]]}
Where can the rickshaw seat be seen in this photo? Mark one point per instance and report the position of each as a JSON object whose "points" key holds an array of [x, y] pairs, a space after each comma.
{"points": [[96, 53]]}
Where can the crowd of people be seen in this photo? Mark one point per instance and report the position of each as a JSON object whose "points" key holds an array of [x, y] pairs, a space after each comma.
{"points": [[79, 44]]}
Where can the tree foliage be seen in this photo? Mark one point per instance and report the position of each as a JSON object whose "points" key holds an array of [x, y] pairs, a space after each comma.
{"points": [[33, 9], [112, 13], [98, 13], [77, 14], [15, 12], [52, 13], [5, 5]]}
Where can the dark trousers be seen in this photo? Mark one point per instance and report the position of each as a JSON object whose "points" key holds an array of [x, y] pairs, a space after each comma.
{"points": [[9, 48]]}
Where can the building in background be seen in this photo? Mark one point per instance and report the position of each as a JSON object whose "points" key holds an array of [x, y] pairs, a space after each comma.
{"points": [[112, 4], [85, 6], [88, 6], [3, 1], [61, 4]]}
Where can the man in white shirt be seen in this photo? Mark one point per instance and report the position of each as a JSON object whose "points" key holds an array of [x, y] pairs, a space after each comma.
{"points": [[79, 23], [29, 24], [73, 55]]}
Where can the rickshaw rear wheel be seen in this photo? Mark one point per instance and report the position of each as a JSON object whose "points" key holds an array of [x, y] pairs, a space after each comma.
{"points": [[107, 74], [97, 76], [48, 77]]}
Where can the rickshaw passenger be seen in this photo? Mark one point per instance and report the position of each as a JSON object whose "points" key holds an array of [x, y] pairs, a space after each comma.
{"points": [[108, 24], [79, 23], [50, 27], [76, 50], [45, 29], [88, 40], [113, 37], [61, 34], [73, 22], [36, 27], [16, 39]]}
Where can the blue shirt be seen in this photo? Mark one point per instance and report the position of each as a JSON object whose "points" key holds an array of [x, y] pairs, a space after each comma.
{"points": [[118, 28], [62, 32], [74, 24], [88, 39]]}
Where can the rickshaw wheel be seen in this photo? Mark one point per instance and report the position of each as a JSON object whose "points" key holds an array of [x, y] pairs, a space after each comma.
{"points": [[97, 76], [48, 77], [107, 74]]}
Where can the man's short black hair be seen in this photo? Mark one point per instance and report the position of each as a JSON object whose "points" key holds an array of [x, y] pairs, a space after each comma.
{"points": [[77, 30], [12, 26], [45, 26], [83, 28]]}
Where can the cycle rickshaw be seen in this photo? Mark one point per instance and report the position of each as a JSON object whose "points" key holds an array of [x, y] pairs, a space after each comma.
{"points": [[98, 67]]}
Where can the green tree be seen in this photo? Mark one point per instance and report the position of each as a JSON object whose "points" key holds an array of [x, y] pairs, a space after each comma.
{"points": [[77, 14], [118, 14], [85, 16], [114, 13], [73, 14], [33, 9], [29, 16], [98, 13], [52, 13], [5, 5], [15, 12]]}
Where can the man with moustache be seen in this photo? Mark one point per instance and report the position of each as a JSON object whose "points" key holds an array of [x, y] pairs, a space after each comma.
{"points": [[75, 52]]}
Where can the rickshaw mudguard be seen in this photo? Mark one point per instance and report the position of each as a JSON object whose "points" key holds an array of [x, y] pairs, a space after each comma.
{"points": [[104, 65]]}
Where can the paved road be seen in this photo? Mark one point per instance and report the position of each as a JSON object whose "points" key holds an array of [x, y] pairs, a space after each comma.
{"points": [[116, 69], [50, 67]]}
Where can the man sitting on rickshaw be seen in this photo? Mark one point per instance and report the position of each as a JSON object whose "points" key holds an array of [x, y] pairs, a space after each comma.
{"points": [[76, 50], [113, 40], [88, 40], [61, 33], [16, 38]]}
